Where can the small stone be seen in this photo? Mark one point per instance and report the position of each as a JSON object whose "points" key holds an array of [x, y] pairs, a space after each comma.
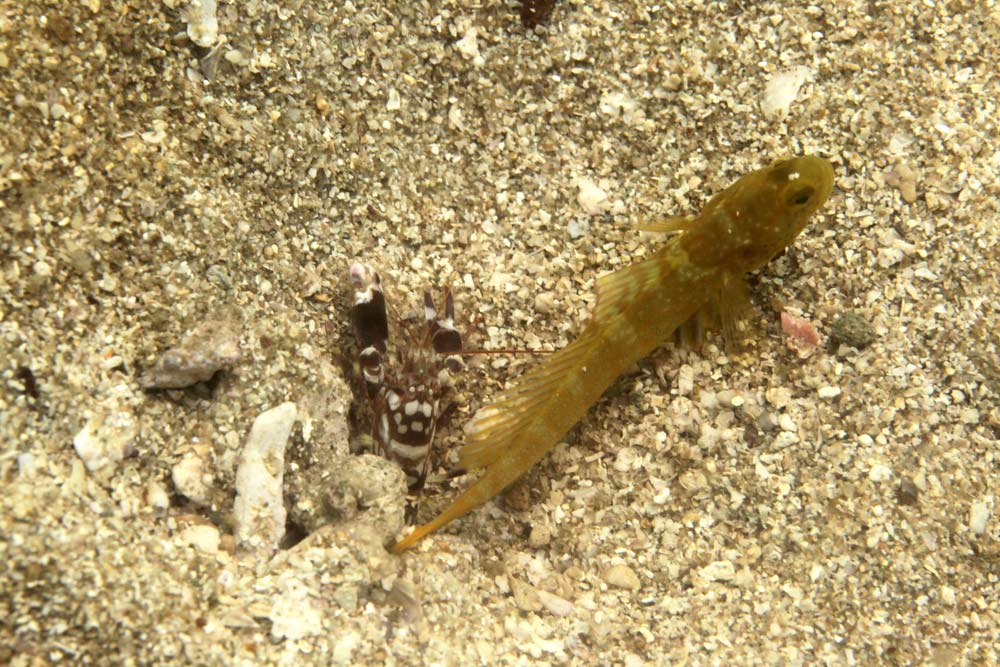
{"points": [[192, 477], [828, 392], [555, 605], [622, 576], [979, 515], [853, 330], [720, 570], [26, 464], [259, 511], [905, 179], [394, 102], [204, 537], [545, 302], [786, 423], [577, 228], [908, 493], [879, 473], [468, 46], [541, 535], [322, 106], [156, 496]]}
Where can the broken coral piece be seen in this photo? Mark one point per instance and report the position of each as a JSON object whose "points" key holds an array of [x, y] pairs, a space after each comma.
{"points": [[259, 510]]}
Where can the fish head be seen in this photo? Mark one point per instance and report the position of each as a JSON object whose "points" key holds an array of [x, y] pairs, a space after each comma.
{"points": [[786, 195], [758, 216]]}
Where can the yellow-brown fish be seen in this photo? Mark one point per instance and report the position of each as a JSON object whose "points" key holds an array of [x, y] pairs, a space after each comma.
{"points": [[700, 270]]}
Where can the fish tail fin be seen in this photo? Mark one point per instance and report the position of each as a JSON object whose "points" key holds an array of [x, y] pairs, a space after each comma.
{"points": [[492, 482], [501, 428]]}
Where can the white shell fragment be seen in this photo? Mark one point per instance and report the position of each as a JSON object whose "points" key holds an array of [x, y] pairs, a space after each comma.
{"points": [[295, 613], [880, 473], [468, 46], [782, 90], [394, 103], [204, 537], [192, 475], [259, 510], [591, 197], [979, 515], [109, 434], [202, 23], [720, 570], [555, 605], [212, 346], [622, 576], [621, 105]]}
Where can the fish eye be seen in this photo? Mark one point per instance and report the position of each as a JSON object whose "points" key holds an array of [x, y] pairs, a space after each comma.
{"points": [[801, 196]]}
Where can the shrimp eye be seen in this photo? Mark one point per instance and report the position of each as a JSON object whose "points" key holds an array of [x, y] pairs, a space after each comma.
{"points": [[801, 196]]}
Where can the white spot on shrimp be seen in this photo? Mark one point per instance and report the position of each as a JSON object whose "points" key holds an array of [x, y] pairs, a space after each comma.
{"points": [[392, 398], [411, 408], [411, 452]]}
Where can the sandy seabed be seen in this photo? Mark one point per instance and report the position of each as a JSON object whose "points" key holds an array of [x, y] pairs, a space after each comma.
{"points": [[833, 510]]}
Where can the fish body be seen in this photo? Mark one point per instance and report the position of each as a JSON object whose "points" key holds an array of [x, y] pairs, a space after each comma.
{"points": [[699, 270]]}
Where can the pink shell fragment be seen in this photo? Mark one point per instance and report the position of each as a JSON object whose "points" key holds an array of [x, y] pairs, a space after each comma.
{"points": [[800, 335]]}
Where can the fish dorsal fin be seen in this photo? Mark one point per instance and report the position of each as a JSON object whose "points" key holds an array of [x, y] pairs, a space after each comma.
{"points": [[498, 428], [680, 223], [618, 290]]}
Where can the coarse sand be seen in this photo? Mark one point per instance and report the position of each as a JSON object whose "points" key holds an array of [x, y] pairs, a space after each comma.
{"points": [[178, 175]]}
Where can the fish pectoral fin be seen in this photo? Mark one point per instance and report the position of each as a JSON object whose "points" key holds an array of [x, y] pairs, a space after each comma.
{"points": [[691, 334], [680, 223], [734, 309]]}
